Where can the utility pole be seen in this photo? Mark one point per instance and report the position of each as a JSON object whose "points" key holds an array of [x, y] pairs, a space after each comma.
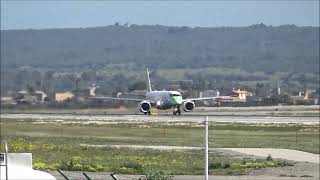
{"points": [[206, 149]]}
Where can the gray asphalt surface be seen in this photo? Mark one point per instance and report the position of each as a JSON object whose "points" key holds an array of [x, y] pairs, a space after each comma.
{"points": [[195, 118]]}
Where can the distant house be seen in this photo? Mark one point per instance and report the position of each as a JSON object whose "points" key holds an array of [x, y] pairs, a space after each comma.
{"points": [[303, 98], [25, 97], [240, 95], [40, 96], [63, 96], [209, 93], [236, 96], [22, 93]]}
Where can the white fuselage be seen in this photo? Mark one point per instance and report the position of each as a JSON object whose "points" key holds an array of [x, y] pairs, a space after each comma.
{"points": [[164, 99]]}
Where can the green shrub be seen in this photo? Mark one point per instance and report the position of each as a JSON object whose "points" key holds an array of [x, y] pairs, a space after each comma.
{"points": [[217, 165], [253, 164], [225, 166], [45, 166], [283, 163], [152, 174], [129, 167], [269, 158], [80, 166]]}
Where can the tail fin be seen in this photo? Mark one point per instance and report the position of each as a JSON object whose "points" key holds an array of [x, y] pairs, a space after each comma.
{"points": [[149, 83]]}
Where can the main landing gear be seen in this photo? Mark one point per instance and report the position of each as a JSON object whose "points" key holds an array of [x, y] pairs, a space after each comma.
{"points": [[177, 111], [147, 113]]}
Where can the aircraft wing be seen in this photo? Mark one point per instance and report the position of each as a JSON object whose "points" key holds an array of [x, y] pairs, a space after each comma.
{"points": [[215, 98], [201, 99], [115, 98]]}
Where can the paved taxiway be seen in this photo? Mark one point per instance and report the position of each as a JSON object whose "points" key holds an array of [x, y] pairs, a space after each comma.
{"points": [[168, 118]]}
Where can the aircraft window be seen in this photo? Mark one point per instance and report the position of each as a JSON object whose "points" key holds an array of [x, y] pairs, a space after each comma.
{"points": [[175, 95]]}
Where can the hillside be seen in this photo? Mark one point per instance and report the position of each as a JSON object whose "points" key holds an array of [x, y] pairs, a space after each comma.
{"points": [[270, 52]]}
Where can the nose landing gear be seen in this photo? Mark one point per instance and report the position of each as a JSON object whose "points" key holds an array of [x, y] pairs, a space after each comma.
{"points": [[177, 111]]}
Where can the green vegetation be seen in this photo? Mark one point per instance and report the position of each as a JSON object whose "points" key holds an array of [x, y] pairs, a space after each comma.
{"points": [[153, 174], [269, 158], [252, 48], [152, 163], [289, 136], [236, 167], [69, 145], [128, 161], [64, 59]]}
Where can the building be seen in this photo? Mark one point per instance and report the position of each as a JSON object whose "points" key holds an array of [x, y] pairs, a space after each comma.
{"points": [[25, 97], [240, 95], [63, 96], [236, 96], [40, 96], [209, 93], [303, 98]]}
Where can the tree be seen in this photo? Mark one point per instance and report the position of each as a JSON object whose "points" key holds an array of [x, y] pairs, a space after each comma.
{"points": [[139, 85], [22, 78], [47, 81], [30, 89], [75, 80], [36, 77], [38, 84], [261, 90]]}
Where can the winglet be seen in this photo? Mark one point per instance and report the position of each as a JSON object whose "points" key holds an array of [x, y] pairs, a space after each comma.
{"points": [[149, 83]]}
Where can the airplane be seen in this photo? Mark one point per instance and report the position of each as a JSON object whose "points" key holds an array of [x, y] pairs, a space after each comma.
{"points": [[162, 100]]}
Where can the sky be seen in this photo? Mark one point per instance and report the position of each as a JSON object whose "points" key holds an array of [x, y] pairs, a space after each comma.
{"points": [[46, 14]]}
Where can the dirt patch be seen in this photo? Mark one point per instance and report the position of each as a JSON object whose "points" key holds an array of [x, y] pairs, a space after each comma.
{"points": [[299, 169], [287, 154]]}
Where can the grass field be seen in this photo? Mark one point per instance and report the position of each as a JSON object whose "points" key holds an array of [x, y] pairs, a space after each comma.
{"points": [[56, 144], [290, 136]]}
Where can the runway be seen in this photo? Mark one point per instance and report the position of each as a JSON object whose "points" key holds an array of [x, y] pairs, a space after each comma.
{"points": [[168, 118]]}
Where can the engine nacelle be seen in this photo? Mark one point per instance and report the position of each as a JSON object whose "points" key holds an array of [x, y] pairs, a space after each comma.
{"points": [[144, 106], [188, 106]]}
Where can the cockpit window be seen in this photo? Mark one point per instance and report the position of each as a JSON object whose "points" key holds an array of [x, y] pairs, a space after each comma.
{"points": [[175, 95]]}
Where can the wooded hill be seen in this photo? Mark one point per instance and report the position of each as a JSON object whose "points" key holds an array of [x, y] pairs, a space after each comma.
{"points": [[285, 49]]}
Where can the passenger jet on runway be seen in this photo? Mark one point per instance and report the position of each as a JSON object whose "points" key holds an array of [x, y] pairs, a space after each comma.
{"points": [[161, 100]]}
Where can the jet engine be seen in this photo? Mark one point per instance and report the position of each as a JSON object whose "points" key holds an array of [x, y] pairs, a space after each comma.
{"points": [[144, 106], [188, 106]]}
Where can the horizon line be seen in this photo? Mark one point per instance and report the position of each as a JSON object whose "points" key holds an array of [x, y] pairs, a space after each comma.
{"points": [[127, 25]]}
